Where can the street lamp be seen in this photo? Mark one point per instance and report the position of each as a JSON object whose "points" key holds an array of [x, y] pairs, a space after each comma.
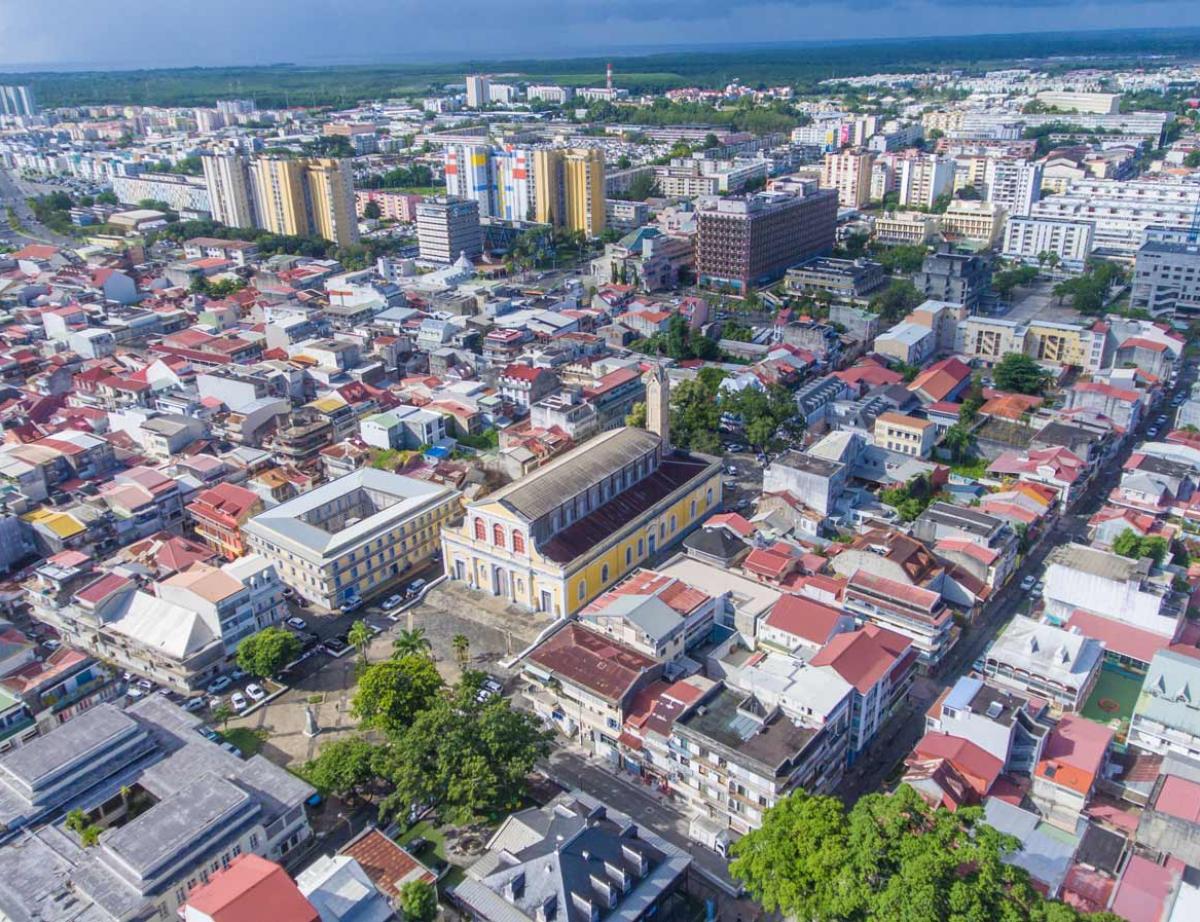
{"points": [[349, 823]]}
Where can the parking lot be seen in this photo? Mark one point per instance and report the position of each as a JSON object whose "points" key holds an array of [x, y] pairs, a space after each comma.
{"points": [[1036, 302]]}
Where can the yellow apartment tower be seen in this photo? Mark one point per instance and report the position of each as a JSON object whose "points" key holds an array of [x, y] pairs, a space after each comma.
{"points": [[302, 197], [569, 189]]}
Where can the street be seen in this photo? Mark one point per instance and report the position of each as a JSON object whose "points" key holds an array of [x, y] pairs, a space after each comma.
{"points": [[11, 196], [907, 727], [571, 768]]}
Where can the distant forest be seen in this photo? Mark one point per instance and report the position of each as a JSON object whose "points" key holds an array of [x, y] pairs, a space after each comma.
{"points": [[800, 65]]}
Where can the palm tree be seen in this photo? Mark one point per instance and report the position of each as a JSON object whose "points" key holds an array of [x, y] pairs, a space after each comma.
{"points": [[77, 821], [462, 648], [359, 636], [959, 441], [221, 713], [411, 642]]}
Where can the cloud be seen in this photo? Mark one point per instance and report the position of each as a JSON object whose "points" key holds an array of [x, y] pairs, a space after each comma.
{"points": [[132, 33]]}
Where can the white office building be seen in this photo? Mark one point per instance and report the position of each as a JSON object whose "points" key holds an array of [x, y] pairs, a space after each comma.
{"points": [[227, 174], [478, 94], [1122, 211], [1013, 184], [1025, 238]]}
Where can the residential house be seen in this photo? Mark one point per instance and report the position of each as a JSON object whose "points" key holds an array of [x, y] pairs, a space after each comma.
{"points": [[879, 665], [1116, 587], [218, 514], [1165, 718], [588, 680], [1043, 661], [655, 614], [1010, 727], [575, 857], [801, 626], [1072, 763], [780, 725]]}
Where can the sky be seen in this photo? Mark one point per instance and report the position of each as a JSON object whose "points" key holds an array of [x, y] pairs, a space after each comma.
{"points": [[119, 34]]}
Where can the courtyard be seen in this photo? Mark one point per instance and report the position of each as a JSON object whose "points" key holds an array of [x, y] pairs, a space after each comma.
{"points": [[1113, 699], [495, 632]]}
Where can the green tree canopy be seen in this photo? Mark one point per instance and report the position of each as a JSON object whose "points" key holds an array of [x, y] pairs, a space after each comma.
{"points": [[959, 441], [342, 768], [390, 694], [900, 297], [1019, 373], [418, 901], [265, 653], [1130, 544], [469, 758], [889, 859]]}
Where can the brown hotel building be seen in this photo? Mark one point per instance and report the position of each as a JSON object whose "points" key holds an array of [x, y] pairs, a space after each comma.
{"points": [[744, 242]]}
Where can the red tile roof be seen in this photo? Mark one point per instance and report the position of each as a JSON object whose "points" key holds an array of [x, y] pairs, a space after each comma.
{"points": [[869, 373], [36, 251], [225, 502], [387, 864], [677, 594], [1180, 798], [1140, 342], [522, 372], [1119, 638], [603, 666], [252, 889], [1074, 753], [865, 656], [807, 618], [1144, 892], [985, 555], [732, 521], [976, 765], [940, 379], [102, 588]]}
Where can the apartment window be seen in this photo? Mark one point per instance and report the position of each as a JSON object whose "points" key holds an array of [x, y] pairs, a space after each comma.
{"points": [[604, 574], [518, 542], [673, 518], [628, 556], [480, 530], [582, 589], [498, 535]]}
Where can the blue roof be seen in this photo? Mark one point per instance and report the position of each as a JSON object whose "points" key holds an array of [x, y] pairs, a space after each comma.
{"points": [[963, 693]]}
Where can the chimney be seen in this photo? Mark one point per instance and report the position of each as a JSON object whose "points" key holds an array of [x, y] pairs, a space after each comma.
{"points": [[608, 80]]}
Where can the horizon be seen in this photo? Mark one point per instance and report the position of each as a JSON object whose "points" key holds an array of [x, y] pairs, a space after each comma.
{"points": [[25, 46]]}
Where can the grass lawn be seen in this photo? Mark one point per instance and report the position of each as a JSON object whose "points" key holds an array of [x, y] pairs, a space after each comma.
{"points": [[975, 468], [426, 830], [247, 740], [1118, 692]]}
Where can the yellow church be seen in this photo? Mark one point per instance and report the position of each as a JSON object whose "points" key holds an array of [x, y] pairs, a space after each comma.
{"points": [[559, 537]]}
